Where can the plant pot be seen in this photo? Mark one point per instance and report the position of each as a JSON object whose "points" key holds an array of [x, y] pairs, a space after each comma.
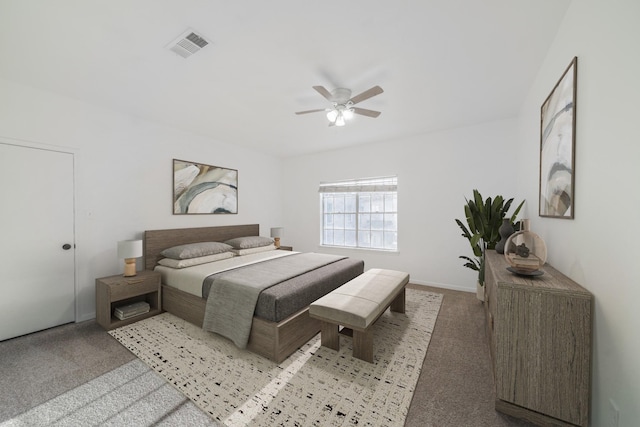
{"points": [[479, 291]]}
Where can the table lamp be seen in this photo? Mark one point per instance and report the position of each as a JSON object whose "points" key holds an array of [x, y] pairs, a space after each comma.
{"points": [[276, 233], [129, 250]]}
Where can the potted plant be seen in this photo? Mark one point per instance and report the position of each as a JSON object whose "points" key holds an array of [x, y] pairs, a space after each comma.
{"points": [[484, 218]]}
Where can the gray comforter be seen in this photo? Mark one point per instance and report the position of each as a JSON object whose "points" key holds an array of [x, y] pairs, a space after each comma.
{"points": [[233, 295]]}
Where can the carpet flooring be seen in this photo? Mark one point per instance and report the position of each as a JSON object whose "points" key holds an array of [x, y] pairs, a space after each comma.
{"points": [[455, 387], [130, 395], [314, 386]]}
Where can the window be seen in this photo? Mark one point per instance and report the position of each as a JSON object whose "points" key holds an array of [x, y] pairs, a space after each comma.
{"points": [[361, 213]]}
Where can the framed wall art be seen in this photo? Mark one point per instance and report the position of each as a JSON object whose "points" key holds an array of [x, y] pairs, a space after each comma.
{"points": [[557, 147], [204, 189]]}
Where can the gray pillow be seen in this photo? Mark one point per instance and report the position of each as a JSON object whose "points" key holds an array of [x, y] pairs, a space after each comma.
{"points": [[193, 250], [249, 242]]}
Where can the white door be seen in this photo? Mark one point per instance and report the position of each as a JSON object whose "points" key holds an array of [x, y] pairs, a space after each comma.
{"points": [[37, 273]]}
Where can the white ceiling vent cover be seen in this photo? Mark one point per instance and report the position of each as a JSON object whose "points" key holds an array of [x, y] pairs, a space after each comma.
{"points": [[187, 44]]}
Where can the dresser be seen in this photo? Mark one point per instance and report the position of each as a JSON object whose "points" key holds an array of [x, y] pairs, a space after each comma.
{"points": [[539, 330]]}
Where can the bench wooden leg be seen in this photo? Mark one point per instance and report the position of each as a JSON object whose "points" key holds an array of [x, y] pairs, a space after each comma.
{"points": [[398, 303], [329, 336], [363, 345]]}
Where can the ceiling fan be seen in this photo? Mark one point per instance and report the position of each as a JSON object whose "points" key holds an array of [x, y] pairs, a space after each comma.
{"points": [[342, 107]]}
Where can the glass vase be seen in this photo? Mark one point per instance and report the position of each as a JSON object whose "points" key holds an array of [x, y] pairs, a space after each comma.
{"points": [[525, 252]]}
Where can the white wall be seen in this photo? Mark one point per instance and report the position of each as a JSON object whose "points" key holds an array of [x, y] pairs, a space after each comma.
{"points": [[599, 248], [123, 176], [435, 174], [123, 185]]}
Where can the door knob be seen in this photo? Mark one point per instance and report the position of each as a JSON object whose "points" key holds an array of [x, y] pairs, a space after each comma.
{"points": [[66, 246]]}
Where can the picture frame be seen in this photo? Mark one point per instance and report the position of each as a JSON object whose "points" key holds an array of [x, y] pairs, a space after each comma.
{"points": [[199, 188], [557, 147]]}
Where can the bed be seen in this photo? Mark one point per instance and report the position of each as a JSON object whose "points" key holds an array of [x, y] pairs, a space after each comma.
{"points": [[281, 322]]}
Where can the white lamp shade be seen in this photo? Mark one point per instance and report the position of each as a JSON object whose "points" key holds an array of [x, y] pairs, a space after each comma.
{"points": [[348, 114], [129, 249], [277, 232]]}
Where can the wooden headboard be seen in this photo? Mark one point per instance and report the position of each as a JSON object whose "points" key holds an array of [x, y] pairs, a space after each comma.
{"points": [[155, 241]]}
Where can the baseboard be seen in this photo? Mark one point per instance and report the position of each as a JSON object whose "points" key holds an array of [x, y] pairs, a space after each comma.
{"points": [[85, 317], [443, 286]]}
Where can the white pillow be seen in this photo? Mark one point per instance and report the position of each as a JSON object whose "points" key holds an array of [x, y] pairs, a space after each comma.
{"points": [[182, 263], [248, 251]]}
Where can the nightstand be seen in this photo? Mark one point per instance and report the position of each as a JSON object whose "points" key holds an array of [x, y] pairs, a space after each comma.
{"points": [[114, 291], [285, 248]]}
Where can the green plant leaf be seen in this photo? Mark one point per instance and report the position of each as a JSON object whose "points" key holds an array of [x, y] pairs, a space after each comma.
{"points": [[473, 264], [465, 231], [515, 213], [484, 218], [478, 198], [507, 205]]}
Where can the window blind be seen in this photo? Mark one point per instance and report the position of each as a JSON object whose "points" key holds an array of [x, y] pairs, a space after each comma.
{"points": [[371, 185]]}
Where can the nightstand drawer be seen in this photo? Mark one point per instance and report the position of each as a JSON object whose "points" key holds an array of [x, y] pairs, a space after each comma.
{"points": [[129, 288]]}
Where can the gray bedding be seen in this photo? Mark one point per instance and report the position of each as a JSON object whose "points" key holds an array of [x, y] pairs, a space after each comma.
{"points": [[282, 300], [272, 290]]}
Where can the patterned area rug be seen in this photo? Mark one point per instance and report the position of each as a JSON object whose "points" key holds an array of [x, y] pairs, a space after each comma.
{"points": [[315, 386]]}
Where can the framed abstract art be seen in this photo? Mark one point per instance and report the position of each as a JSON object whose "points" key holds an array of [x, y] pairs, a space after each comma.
{"points": [[204, 189], [557, 147]]}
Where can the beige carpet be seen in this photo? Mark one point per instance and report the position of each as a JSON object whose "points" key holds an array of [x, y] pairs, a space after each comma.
{"points": [[130, 395], [314, 386]]}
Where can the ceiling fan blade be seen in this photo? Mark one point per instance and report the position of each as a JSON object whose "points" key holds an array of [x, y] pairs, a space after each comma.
{"points": [[310, 111], [324, 92], [376, 90], [365, 112]]}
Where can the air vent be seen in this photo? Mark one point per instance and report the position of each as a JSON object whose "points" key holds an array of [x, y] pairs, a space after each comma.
{"points": [[187, 44]]}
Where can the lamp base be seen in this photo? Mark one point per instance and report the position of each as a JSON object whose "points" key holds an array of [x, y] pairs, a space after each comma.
{"points": [[129, 267], [276, 241]]}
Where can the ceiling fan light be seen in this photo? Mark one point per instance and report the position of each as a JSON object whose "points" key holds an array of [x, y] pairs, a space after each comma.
{"points": [[332, 115], [348, 114], [340, 120]]}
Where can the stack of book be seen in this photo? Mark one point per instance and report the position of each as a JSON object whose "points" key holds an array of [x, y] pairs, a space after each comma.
{"points": [[131, 310], [529, 263]]}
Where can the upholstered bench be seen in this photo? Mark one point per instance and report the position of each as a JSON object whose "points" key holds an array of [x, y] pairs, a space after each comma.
{"points": [[356, 305]]}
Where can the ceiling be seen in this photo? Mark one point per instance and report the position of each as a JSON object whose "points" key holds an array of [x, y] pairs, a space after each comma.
{"points": [[441, 63]]}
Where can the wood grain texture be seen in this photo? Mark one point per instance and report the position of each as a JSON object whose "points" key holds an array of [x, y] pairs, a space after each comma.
{"points": [[277, 341], [399, 302], [529, 415], [329, 336], [184, 305], [540, 342], [291, 333], [118, 290], [363, 345]]}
